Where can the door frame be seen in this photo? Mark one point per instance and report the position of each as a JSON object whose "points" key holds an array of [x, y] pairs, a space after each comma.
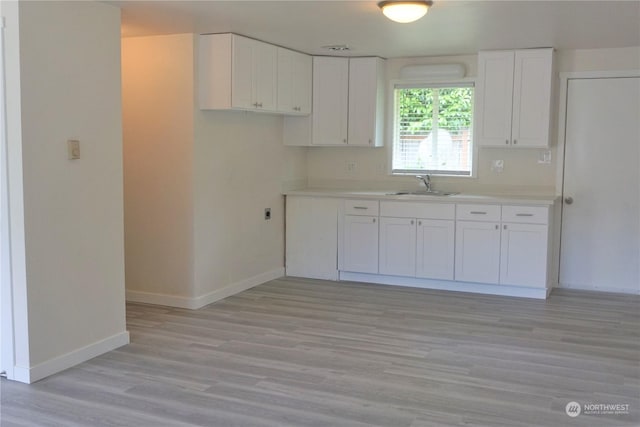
{"points": [[7, 339], [565, 78]]}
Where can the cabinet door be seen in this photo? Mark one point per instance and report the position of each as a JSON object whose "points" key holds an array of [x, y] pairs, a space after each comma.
{"points": [[435, 247], [360, 244], [302, 82], [398, 246], [363, 102], [330, 100], [294, 82], [477, 252], [312, 237], [242, 73], [265, 75], [532, 97], [524, 255], [494, 97]]}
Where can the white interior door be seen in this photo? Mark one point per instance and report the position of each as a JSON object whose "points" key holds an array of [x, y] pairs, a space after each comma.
{"points": [[601, 217]]}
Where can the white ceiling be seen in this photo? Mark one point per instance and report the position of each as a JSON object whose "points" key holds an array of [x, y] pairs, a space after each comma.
{"points": [[451, 27]]}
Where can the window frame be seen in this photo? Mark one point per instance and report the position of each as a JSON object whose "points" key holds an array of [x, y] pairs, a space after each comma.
{"points": [[391, 122]]}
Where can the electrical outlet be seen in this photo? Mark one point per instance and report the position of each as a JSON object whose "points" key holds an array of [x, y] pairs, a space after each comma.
{"points": [[351, 166], [267, 213], [544, 157], [497, 166]]}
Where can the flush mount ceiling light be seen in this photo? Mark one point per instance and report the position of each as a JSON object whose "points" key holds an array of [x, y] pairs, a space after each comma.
{"points": [[405, 11]]}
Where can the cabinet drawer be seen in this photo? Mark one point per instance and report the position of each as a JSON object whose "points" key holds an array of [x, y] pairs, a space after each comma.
{"points": [[478, 212], [361, 207], [424, 210], [526, 214]]}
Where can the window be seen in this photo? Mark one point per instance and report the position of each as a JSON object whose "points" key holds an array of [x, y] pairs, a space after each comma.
{"points": [[432, 129]]}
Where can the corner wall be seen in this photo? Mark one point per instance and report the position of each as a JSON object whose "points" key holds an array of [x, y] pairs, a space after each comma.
{"points": [[157, 107], [69, 82], [197, 183]]}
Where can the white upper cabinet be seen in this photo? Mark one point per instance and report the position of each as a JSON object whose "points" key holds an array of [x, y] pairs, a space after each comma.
{"points": [[239, 73], [294, 82], [513, 98], [366, 102], [330, 101], [348, 101]]}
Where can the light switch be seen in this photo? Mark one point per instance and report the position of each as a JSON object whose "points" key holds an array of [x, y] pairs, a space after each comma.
{"points": [[73, 147]]}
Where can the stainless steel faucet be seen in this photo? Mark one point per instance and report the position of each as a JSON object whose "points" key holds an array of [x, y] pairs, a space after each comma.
{"points": [[427, 181]]}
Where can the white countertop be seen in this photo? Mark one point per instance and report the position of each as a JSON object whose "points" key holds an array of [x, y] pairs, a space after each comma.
{"points": [[457, 198]]}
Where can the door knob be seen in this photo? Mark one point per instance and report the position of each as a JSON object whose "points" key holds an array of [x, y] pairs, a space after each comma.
{"points": [[568, 200]]}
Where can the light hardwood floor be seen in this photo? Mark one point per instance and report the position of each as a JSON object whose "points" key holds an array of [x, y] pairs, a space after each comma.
{"points": [[313, 353]]}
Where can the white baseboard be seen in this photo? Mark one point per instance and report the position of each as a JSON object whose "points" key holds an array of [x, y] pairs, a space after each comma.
{"points": [[596, 288], [66, 361], [237, 287], [445, 285], [159, 299], [208, 298]]}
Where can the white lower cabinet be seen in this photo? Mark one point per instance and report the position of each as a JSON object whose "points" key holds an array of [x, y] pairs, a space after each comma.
{"points": [[360, 244], [398, 246], [506, 245], [417, 239], [524, 253], [404, 242], [312, 237], [435, 243], [478, 251]]}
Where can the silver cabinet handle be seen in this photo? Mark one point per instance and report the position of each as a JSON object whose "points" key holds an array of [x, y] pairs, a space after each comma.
{"points": [[524, 214], [507, 142], [568, 200], [419, 222], [515, 141], [374, 220], [344, 140], [361, 207], [497, 226], [412, 222], [477, 213], [504, 226]]}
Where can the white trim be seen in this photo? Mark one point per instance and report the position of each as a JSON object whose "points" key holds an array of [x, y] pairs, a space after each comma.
{"points": [[478, 288], [206, 299], [66, 361], [7, 344], [596, 288], [159, 299]]}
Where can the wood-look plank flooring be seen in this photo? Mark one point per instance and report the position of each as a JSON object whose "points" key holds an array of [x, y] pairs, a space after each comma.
{"points": [[298, 352]]}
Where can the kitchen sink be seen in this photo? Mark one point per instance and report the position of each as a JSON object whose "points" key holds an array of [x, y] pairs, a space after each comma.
{"points": [[423, 193]]}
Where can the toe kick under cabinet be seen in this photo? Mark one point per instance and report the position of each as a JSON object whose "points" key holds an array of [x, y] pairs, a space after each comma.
{"points": [[494, 248]]}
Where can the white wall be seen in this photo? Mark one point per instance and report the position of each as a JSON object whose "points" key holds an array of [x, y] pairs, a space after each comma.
{"points": [[241, 169], [197, 183], [67, 73], [522, 172], [157, 106]]}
